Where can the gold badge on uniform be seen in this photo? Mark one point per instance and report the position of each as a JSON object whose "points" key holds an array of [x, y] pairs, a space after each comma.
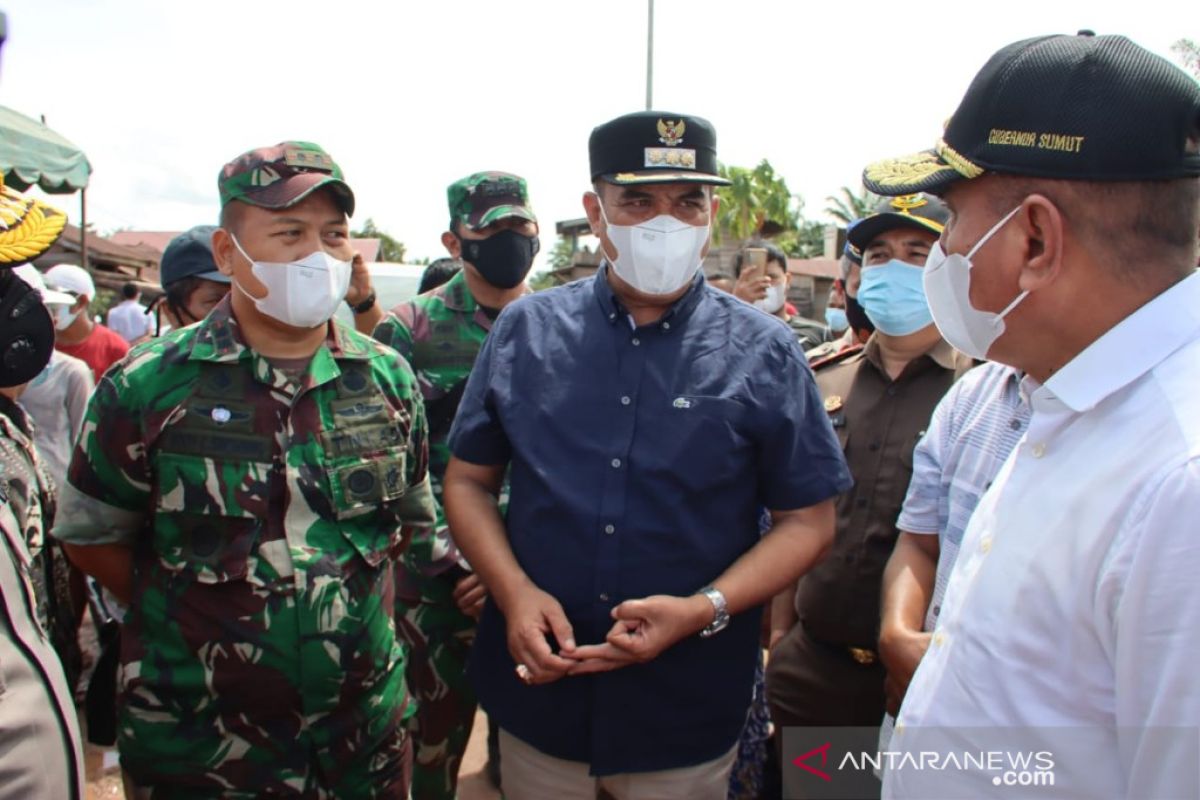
{"points": [[833, 403], [659, 156]]}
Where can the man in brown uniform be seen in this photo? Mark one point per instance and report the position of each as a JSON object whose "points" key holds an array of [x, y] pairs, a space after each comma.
{"points": [[824, 669]]}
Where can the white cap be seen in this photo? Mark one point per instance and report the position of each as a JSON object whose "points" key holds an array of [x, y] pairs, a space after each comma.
{"points": [[27, 273], [73, 279]]}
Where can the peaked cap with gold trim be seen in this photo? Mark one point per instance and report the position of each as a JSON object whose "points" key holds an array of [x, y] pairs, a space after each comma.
{"points": [[1083, 107], [28, 227]]}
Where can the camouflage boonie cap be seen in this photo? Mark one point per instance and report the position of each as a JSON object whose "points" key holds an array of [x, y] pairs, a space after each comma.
{"points": [[28, 227], [479, 200], [283, 175]]}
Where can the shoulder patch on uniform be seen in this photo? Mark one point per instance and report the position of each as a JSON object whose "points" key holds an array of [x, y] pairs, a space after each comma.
{"points": [[837, 358]]}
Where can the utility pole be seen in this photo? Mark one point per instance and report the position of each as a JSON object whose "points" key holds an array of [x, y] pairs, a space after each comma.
{"points": [[650, 55]]}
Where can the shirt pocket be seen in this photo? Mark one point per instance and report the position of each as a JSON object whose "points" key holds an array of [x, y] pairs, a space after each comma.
{"points": [[366, 496], [701, 441], [209, 516]]}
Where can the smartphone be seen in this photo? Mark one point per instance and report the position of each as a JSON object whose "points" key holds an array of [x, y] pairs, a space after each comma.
{"points": [[754, 263]]}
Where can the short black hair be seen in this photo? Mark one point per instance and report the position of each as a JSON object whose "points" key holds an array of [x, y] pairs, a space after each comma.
{"points": [[130, 290], [437, 273], [773, 254]]}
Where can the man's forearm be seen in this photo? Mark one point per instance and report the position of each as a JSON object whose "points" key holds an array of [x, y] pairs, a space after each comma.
{"points": [[473, 514], [110, 564], [908, 583], [796, 542]]}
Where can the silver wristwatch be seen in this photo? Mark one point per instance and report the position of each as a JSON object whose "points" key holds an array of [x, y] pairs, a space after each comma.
{"points": [[721, 615]]}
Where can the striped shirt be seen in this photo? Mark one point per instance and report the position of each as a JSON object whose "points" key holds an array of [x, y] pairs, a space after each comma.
{"points": [[973, 430]]}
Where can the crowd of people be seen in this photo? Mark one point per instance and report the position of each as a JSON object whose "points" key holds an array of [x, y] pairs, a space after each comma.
{"points": [[661, 530]]}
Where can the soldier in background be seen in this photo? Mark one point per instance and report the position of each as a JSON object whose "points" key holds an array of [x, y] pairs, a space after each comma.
{"points": [[493, 231], [39, 735], [248, 483]]}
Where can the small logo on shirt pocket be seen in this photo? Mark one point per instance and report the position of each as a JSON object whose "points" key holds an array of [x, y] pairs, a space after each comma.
{"points": [[682, 402]]}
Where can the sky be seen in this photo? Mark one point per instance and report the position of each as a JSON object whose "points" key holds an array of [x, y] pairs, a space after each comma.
{"points": [[409, 96]]}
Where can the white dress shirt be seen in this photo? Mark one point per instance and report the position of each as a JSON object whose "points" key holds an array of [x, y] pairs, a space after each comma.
{"points": [[130, 320], [1075, 600]]}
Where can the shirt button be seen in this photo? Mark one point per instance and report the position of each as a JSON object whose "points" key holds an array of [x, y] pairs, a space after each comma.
{"points": [[604, 597], [636, 341], [610, 530], [986, 544], [1038, 450], [612, 316], [666, 326], [625, 401], [1015, 424], [939, 639], [616, 463], [873, 446]]}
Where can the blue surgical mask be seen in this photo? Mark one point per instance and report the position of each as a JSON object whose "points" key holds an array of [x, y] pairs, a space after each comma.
{"points": [[835, 318], [893, 295]]}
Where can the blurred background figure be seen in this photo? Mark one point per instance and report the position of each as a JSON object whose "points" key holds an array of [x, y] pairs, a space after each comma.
{"points": [[76, 334], [767, 291], [438, 273], [192, 284], [128, 319]]}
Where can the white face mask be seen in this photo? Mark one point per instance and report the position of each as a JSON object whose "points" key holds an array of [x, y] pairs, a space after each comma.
{"points": [[947, 280], [773, 301], [63, 317], [304, 293], [658, 256]]}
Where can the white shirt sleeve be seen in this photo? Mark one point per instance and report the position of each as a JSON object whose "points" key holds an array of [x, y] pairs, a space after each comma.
{"points": [[919, 514], [1150, 595]]}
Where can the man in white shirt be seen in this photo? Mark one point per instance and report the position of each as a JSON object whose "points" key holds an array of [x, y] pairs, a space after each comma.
{"points": [[1064, 658], [129, 319]]}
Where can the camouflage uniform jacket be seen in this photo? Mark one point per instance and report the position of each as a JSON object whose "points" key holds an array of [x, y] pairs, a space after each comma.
{"points": [[440, 333], [264, 517]]}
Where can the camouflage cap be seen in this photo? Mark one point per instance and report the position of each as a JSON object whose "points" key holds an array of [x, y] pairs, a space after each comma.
{"points": [[479, 200], [283, 175]]}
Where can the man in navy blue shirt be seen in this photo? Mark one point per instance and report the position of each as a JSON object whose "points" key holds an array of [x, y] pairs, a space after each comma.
{"points": [[644, 418]]}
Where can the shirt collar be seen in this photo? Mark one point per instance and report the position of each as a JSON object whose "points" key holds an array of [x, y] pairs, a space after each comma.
{"points": [[1131, 348], [941, 354], [456, 295], [219, 340], [613, 310]]}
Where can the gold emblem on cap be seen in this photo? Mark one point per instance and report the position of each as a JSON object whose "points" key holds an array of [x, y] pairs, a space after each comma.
{"points": [[905, 203], [670, 132], [833, 403]]}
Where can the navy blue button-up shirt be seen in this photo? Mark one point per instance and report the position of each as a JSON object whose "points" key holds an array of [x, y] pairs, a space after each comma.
{"points": [[639, 457]]}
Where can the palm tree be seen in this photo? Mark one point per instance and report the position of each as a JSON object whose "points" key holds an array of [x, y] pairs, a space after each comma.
{"points": [[756, 203], [850, 206]]}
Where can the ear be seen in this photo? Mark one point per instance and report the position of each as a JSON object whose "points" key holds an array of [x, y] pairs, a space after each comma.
{"points": [[224, 251], [1044, 230], [591, 207], [452, 244]]}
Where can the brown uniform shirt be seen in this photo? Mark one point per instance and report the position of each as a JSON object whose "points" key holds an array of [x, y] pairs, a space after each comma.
{"points": [[878, 422]]}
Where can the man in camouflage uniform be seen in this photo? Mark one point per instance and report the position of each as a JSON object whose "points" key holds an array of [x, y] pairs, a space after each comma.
{"points": [[247, 483], [494, 232]]}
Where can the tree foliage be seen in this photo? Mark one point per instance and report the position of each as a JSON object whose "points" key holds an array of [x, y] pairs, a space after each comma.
{"points": [[390, 248], [1188, 53], [849, 205], [756, 203]]}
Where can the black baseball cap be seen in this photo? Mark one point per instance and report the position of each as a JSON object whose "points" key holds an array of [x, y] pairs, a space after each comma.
{"points": [[1082, 107], [923, 212], [655, 147], [190, 255]]}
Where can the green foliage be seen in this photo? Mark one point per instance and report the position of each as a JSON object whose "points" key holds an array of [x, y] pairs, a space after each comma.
{"points": [[850, 206], [808, 241], [561, 254], [542, 280], [390, 248], [1188, 53], [756, 203]]}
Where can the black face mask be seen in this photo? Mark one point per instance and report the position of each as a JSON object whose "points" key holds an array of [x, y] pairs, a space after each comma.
{"points": [[26, 331], [857, 317], [503, 259]]}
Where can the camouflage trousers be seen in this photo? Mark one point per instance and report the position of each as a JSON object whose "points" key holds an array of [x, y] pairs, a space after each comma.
{"points": [[439, 638]]}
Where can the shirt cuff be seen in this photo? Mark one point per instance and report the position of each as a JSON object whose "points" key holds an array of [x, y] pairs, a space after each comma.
{"points": [[84, 520]]}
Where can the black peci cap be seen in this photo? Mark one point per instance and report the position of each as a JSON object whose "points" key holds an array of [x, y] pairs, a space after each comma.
{"points": [[1081, 107], [655, 147]]}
